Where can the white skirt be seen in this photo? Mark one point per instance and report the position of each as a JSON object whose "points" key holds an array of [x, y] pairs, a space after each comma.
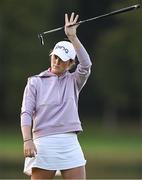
{"points": [[56, 152]]}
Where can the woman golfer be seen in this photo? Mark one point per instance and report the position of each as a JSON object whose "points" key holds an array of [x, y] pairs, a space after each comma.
{"points": [[49, 115]]}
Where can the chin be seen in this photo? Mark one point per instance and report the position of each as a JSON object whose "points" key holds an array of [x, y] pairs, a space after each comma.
{"points": [[55, 71]]}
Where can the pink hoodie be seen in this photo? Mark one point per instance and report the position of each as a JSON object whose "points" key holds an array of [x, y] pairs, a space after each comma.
{"points": [[50, 103]]}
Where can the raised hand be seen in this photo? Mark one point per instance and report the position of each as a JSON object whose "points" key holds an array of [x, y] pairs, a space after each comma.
{"points": [[70, 31]]}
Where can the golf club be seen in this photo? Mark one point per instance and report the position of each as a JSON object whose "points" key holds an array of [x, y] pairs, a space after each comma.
{"points": [[130, 8]]}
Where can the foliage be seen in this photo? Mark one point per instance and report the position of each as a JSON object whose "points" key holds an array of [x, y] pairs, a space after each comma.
{"points": [[119, 65], [115, 43]]}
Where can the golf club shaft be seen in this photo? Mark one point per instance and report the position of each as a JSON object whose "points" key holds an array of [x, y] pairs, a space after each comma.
{"points": [[130, 8]]}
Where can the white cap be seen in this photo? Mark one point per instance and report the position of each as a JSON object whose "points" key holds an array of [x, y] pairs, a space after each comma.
{"points": [[64, 50]]}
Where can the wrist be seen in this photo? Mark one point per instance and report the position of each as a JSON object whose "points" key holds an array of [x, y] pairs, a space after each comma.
{"points": [[26, 140], [72, 37]]}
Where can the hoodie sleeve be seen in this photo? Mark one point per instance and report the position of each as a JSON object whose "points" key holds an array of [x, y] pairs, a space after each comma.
{"points": [[83, 68], [28, 103]]}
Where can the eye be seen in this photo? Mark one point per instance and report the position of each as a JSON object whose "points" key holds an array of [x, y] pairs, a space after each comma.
{"points": [[56, 57]]}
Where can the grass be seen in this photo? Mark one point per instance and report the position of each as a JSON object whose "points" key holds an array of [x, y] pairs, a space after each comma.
{"points": [[111, 153]]}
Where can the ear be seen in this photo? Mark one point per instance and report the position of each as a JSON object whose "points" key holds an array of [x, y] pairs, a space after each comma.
{"points": [[71, 64]]}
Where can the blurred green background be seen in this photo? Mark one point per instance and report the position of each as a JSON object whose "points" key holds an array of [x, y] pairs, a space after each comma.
{"points": [[110, 104]]}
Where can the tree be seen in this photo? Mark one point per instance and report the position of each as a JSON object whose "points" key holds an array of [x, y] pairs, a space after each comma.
{"points": [[119, 67], [21, 54]]}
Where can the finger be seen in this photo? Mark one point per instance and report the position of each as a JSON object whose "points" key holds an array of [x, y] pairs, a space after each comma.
{"points": [[35, 150], [32, 154], [25, 153], [76, 19], [66, 19], [29, 153], [72, 17]]}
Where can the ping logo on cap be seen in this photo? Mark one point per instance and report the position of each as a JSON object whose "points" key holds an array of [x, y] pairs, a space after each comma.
{"points": [[62, 47]]}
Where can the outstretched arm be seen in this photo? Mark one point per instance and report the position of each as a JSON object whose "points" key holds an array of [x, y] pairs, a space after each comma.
{"points": [[83, 69], [71, 33]]}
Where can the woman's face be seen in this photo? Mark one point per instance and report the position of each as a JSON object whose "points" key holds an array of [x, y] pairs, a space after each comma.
{"points": [[58, 66]]}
